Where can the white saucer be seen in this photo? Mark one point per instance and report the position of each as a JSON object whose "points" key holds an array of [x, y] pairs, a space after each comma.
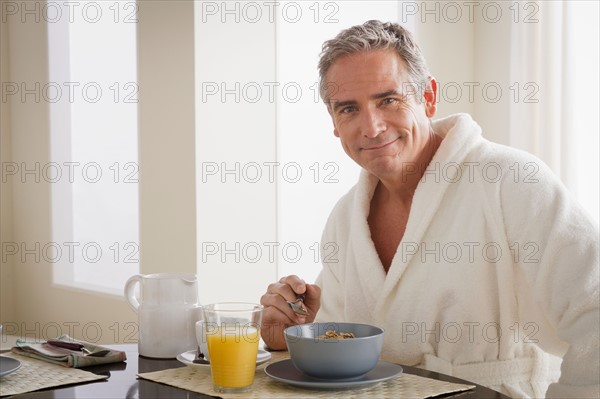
{"points": [[189, 356], [285, 371], [8, 365]]}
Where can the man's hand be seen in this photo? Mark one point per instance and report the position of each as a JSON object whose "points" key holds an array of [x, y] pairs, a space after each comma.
{"points": [[278, 315]]}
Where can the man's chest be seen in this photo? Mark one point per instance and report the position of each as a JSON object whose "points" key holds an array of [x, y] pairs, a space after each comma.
{"points": [[387, 225]]}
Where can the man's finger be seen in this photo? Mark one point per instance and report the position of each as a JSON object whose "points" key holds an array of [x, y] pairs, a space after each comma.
{"points": [[296, 283]]}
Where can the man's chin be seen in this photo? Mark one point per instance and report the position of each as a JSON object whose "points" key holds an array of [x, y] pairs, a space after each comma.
{"points": [[383, 167]]}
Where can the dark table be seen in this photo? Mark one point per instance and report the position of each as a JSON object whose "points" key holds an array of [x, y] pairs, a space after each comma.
{"points": [[123, 382]]}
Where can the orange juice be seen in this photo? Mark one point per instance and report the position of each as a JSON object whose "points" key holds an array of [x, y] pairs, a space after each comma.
{"points": [[233, 353]]}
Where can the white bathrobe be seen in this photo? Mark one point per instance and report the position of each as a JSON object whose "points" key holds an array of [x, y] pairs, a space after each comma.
{"points": [[495, 279]]}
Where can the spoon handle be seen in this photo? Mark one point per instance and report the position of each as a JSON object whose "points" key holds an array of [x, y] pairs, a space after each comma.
{"points": [[298, 305]]}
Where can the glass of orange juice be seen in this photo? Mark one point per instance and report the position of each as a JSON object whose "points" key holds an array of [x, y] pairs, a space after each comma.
{"points": [[232, 333]]}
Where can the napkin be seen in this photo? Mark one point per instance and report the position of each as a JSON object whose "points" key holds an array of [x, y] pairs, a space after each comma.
{"points": [[66, 357]]}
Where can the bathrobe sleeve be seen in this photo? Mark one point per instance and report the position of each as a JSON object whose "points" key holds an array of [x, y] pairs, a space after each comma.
{"points": [[558, 260]]}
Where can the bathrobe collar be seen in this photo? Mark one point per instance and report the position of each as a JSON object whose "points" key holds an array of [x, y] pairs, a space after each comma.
{"points": [[460, 134]]}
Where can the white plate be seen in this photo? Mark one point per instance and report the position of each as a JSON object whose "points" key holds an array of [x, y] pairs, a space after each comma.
{"points": [[285, 371], [8, 365], [188, 358]]}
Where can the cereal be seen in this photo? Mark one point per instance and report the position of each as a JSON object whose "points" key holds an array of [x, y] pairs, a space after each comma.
{"points": [[332, 334]]}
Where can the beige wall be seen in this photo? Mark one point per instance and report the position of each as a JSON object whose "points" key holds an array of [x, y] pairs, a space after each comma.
{"points": [[166, 136], [31, 304], [491, 69], [460, 54], [449, 51], [7, 309]]}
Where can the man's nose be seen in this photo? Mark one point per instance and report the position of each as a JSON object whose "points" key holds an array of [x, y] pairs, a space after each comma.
{"points": [[373, 123]]}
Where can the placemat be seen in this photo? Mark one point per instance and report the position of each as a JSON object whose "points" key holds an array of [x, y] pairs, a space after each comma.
{"points": [[198, 379], [68, 357], [37, 374]]}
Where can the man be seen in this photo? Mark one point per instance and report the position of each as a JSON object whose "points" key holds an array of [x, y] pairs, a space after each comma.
{"points": [[470, 255]]}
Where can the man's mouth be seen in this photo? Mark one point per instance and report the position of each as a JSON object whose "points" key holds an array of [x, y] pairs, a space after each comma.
{"points": [[378, 147]]}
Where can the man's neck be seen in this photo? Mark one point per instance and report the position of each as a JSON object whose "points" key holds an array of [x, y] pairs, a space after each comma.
{"points": [[401, 189]]}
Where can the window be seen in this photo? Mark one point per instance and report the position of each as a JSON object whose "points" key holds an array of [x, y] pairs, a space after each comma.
{"points": [[92, 93], [269, 169]]}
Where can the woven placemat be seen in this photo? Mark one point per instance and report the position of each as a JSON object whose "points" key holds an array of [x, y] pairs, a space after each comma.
{"points": [[198, 379], [37, 374]]}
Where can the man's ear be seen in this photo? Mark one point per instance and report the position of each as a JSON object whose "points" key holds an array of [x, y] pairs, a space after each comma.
{"points": [[430, 97]]}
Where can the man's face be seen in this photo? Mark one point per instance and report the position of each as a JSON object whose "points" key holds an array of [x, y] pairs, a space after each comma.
{"points": [[381, 123]]}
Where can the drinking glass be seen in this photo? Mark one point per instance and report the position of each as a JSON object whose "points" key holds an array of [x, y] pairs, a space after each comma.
{"points": [[232, 332]]}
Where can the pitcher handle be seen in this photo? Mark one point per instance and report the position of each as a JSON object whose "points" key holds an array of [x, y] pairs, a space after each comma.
{"points": [[129, 291]]}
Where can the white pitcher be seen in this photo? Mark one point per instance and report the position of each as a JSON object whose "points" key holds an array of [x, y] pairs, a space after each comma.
{"points": [[167, 311]]}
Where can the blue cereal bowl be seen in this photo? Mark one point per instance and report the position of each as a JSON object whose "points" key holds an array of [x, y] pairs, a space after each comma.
{"points": [[334, 358]]}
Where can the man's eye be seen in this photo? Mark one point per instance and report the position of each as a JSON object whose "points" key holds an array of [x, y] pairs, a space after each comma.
{"points": [[387, 101], [347, 110]]}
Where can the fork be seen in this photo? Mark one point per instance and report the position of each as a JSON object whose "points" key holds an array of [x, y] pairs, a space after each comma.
{"points": [[76, 347], [298, 305]]}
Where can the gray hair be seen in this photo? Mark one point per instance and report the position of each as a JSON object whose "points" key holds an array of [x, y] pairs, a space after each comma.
{"points": [[374, 35]]}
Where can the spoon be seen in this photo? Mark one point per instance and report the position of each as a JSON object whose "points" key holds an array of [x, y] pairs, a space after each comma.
{"points": [[298, 306], [200, 358]]}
